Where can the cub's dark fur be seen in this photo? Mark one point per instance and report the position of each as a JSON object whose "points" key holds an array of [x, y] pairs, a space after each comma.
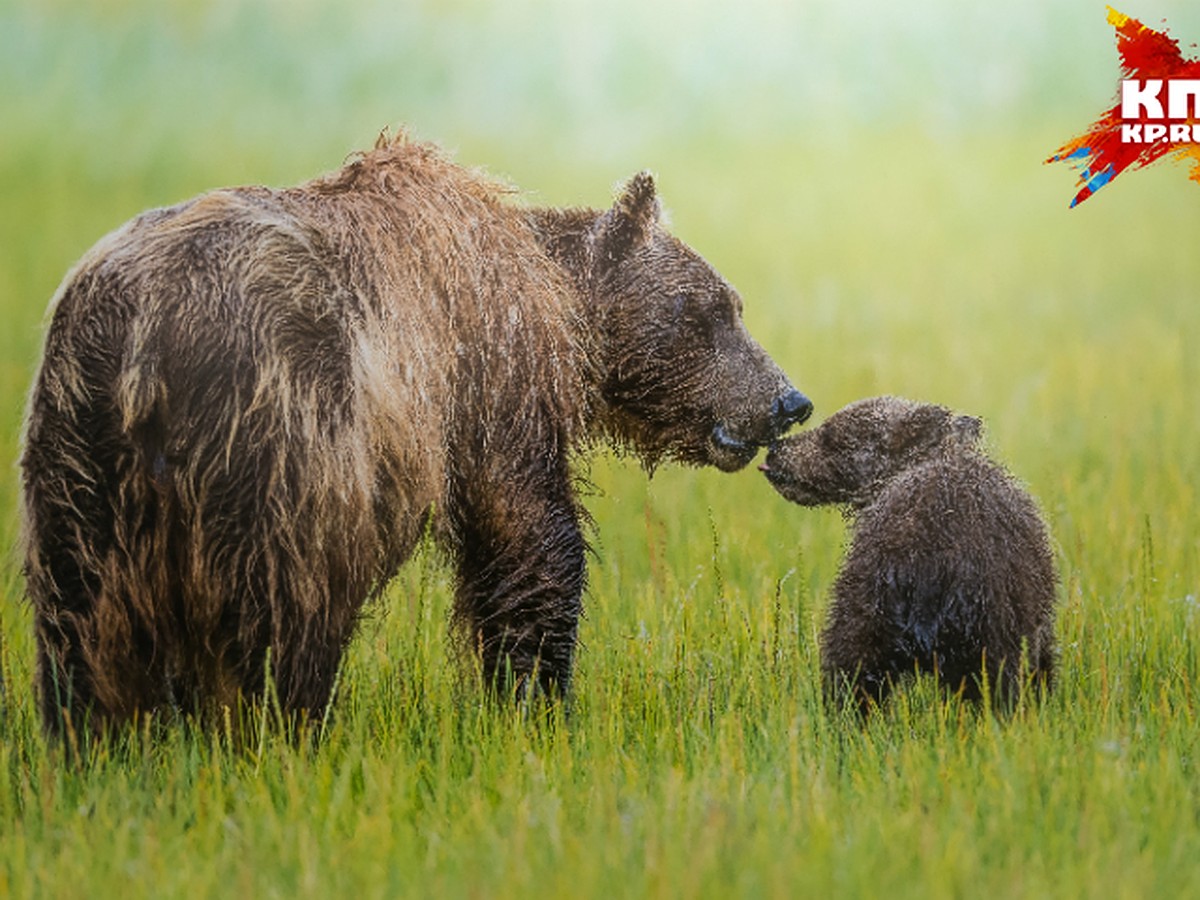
{"points": [[950, 568]]}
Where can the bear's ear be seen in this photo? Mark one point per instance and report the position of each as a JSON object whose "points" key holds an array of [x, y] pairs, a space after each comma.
{"points": [[968, 429], [919, 430], [630, 223]]}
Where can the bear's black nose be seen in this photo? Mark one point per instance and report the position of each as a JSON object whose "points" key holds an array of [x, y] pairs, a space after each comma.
{"points": [[790, 409]]}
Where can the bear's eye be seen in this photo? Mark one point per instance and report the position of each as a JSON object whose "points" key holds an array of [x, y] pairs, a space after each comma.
{"points": [[829, 442]]}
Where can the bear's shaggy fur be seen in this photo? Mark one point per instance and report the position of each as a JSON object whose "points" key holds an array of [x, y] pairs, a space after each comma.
{"points": [[253, 404], [950, 568]]}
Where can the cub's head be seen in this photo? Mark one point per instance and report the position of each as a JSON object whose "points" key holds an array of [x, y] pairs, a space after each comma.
{"points": [[681, 377], [859, 449]]}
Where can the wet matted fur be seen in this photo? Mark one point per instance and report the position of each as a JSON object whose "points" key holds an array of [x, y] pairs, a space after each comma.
{"points": [[251, 405]]}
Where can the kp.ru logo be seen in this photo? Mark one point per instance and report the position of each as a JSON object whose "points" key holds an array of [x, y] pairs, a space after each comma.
{"points": [[1159, 112], [1138, 96]]}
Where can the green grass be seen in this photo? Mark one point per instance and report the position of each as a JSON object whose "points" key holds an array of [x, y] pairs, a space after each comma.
{"points": [[929, 255]]}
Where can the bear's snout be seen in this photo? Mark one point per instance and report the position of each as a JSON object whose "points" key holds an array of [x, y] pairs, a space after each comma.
{"points": [[790, 409], [792, 469], [773, 468]]}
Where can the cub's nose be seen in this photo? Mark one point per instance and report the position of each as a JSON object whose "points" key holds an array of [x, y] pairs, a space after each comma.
{"points": [[790, 409]]}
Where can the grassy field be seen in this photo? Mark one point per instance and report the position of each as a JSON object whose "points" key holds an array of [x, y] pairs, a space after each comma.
{"points": [[871, 180]]}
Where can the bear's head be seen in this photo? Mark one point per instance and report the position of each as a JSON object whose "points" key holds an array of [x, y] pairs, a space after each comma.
{"points": [[860, 448], [681, 378]]}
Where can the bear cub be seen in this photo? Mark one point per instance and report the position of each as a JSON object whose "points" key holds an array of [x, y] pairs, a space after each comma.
{"points": [[949, 569]]}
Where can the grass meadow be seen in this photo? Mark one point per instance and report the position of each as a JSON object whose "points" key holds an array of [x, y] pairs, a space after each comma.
{"points": [[869, 176]]}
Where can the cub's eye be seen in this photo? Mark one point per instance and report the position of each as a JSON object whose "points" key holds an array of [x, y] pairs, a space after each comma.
{"points": [[679, 304]]}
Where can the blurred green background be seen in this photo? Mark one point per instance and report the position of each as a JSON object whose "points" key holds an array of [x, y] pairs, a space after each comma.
{"points": [[870, 176]]}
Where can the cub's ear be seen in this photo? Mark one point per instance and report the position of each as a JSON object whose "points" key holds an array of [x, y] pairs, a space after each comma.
{"points": [[968, 429], [919, 429], [630, 222]]}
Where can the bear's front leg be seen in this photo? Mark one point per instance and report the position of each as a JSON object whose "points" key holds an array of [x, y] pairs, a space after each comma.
{"points": [[521, 572]]}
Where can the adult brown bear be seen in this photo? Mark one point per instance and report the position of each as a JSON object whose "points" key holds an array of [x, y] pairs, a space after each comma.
{"points": [[251, 406]]}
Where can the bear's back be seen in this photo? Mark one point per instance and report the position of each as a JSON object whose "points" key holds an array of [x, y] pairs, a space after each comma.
{"points": [[962, 505], [948, 546]]}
